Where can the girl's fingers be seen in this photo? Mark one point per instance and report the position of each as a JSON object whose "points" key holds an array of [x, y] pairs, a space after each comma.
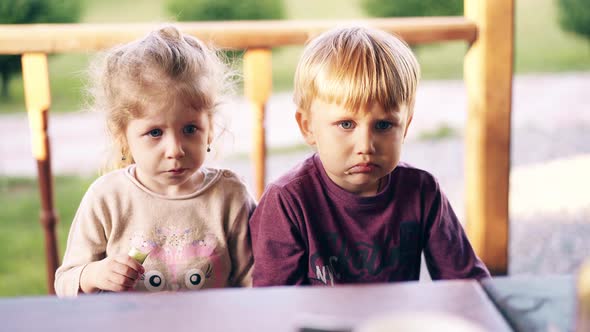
{"points": [[121, 273], [122, 281], [126, 271], [118, 287], [130, 262]]}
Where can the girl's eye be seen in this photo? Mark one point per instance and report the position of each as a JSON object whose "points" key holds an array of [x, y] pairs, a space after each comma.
{"points": [[155, 132], [383, 125], [190, 129], [346, 125]]}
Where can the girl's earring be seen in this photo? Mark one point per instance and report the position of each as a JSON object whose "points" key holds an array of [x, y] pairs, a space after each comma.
{"points": [[208, 148]]}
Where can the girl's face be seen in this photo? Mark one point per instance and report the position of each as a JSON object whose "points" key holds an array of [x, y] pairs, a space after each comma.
{"points": [[169, 145]]}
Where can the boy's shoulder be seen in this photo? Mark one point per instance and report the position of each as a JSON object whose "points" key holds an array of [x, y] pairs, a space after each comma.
{"points": [[304, 173], [409, 169], [413, 176]]}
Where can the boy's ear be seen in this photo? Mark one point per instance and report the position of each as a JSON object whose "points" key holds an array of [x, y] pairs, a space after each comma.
{"points": [[408, 125], [305, 126]]}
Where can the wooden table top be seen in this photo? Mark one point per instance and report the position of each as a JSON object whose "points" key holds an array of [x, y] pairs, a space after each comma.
{"points": [[535, 303], [259, 309]]}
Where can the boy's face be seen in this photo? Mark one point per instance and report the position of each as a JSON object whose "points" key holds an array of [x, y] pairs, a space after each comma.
{"points": [[357, 150]]}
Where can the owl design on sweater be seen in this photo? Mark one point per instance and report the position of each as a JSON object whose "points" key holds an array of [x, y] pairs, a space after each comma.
{"points": [[177, 260]]}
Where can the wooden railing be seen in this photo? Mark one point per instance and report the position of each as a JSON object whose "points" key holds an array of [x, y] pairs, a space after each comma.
{"points": [[487, 27]]}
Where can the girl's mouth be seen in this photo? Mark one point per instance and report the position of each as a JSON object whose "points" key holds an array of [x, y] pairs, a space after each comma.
{"points": [[177, 171]]}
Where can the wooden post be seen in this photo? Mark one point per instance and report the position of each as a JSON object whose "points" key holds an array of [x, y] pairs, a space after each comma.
{"points": [[582, 305], [38, 100], [257, 88], [488, 78]]}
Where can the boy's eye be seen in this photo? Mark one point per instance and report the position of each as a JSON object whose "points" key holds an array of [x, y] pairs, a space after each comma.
{"points": [[155, 132], [383, 125], [346, 125], [190, 129]]}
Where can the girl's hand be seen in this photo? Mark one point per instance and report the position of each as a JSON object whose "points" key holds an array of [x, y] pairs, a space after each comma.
{"points": [[116, 274]]}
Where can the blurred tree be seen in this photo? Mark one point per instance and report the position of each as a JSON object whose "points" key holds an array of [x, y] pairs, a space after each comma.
{"points": [[32, 11], [404, 8], [574, 16], [226, 10], [407, 8]]}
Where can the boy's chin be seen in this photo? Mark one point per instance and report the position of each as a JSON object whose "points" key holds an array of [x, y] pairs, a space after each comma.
{"points": [[362, 185], [363, 179]]}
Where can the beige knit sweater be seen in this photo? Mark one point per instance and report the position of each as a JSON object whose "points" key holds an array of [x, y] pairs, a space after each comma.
{"points": [[195, 241]]}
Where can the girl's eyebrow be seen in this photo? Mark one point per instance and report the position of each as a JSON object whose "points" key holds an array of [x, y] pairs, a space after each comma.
{"points": [[150, 124]]}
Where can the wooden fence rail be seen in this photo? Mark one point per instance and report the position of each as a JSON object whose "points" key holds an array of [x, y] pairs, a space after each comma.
{"points": [[487, 27], [69, 38]]}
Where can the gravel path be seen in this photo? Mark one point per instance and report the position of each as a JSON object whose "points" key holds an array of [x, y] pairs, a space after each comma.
{"points": [[550, 175]]}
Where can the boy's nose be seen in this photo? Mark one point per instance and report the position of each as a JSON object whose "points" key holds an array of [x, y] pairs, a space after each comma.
{"points": [[174, 148], [365, 142]]}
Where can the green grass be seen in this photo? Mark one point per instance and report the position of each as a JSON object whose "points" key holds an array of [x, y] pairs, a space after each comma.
{"points": [[540, 46], [23, 269], [442, 132], [112, 11]]}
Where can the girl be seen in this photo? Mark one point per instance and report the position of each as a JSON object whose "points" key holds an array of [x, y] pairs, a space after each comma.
{"points": [[187, 224]]}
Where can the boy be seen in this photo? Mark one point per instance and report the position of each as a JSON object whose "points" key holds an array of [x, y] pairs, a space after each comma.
{"points": [[352, 213]]}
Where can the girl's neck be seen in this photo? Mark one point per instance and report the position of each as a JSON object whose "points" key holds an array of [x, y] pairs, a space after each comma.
{"points": [[188, 187]]}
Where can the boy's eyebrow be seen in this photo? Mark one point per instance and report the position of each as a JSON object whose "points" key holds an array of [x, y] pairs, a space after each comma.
{"points": [[391, 115]]}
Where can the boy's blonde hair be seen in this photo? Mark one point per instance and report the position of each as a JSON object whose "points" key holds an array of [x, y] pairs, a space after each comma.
{"points": [[355, 67], [160, 69]]}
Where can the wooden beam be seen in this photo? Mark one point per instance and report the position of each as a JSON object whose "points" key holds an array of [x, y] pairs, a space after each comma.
{"points": [[38, 101], [257, 89], [68, 38], [582, 303], [488, 78]]}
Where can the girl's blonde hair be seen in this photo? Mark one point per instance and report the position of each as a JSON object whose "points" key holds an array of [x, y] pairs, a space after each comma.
{"points": [[162, 68], [355, 67]]}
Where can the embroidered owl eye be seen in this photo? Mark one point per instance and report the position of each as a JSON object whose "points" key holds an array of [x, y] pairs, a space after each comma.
{"points": [[154, 281], [194, 279]]}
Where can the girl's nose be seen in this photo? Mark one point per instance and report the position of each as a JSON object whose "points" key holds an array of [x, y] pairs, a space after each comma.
{"points": [[174, 148]]}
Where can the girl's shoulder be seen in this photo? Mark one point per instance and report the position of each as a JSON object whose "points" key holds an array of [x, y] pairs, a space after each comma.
{"points": [[228, 186], [231, 182], [107, 188], [109, 181]]}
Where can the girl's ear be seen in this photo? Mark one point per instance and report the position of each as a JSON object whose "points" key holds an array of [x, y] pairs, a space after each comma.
{"points": [[211, 130], [304, 122], [123, 145]]}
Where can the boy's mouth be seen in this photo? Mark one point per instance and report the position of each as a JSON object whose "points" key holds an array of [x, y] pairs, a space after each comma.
{"points": [[361, 168]]}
